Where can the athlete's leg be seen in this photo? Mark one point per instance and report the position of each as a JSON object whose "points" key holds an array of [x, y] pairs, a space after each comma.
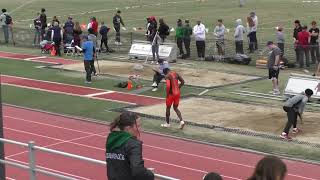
{"points": [[168, 114], [176, 109]]}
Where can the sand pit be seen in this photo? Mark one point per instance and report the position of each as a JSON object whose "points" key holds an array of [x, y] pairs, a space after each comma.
{"points": [[194, 77], [241, 116]]}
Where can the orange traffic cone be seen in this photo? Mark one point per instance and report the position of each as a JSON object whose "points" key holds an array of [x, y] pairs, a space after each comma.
{"points": [[129, 87]]}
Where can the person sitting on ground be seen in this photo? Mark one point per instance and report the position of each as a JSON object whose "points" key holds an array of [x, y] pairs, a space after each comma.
{"points": [[212, 176], [124, 149], [159, 75], [269, 168]]}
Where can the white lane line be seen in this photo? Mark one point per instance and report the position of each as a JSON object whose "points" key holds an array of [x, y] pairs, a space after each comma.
{"points": [[34, 58], [174, 151], [98, 94]]}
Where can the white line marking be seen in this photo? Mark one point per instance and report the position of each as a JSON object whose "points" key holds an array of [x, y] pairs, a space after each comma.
{"points": [[65, 93], [52, 82], [203, 92], [21, 6], [34, 58], [164, 149], [52, 170], [9, 178], [98, 94]]}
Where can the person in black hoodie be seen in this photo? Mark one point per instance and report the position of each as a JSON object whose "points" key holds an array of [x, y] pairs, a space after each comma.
{"points": [[43, 19], [164, 30], [124, 150], [117, 21]]}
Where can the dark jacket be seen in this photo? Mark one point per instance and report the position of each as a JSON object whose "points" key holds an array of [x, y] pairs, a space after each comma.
{"points": [[117, 20], [124, 158], [296, 31], [43, 19], [104, 31], [164, 30]]}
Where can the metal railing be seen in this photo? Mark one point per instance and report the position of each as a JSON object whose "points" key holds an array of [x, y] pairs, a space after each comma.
{"points": [[33, 169]]}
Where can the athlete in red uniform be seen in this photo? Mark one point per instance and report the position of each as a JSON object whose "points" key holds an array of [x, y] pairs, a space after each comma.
{"points": [[173, 95]]}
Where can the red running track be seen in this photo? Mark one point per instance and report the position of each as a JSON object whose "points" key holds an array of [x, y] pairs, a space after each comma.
{"points": [[34, 58], [81, 91], [172, 157]]}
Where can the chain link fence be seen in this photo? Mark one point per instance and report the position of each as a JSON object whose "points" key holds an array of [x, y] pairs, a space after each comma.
{"points": [[24, 37]]}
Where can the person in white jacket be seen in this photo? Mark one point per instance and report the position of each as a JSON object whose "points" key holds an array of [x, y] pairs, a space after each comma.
{"points": [[199, 32], [238, 36]]}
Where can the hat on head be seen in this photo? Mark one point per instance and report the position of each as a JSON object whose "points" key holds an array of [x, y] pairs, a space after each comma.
{"points": [[308, 92], [269, 43]]}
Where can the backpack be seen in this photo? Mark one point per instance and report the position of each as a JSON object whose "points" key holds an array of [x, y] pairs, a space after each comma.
{"points": [[8, 19], [167, 30]]}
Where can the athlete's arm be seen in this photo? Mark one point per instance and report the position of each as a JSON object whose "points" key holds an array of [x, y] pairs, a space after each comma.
{"points": [[181, 81]]}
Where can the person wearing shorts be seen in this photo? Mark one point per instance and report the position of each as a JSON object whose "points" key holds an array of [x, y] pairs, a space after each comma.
{"points": [[273, 66], [173, 95]]}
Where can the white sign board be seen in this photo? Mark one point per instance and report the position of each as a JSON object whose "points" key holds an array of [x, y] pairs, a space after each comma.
{"points": [[145, 49], [141, 50], [299, 83]]}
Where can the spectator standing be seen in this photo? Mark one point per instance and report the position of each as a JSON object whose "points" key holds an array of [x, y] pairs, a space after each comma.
{"points": [[43, 19], [5, 25], [219, 32], [37, 30], [88, 57], [296, 30], [303, 42], [94, 25], [124, 149], [117, 22], [269, 168], [238, 36], [56, 37], [55, 19], [280, 39], [179, 37], [155, 45], [164, 29], [68, 30], [314, 43], [252, 32], [76, 35], [273, 66], [199, 31], [104, 36], [159, 75], [294, 107], [92, 37], [187, 37]]}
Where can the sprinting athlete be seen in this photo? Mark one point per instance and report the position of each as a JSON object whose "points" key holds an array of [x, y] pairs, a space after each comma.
{"points": [[173, 95]]}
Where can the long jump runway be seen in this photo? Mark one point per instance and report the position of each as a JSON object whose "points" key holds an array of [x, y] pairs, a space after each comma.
{"points": [[172, 157]]}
